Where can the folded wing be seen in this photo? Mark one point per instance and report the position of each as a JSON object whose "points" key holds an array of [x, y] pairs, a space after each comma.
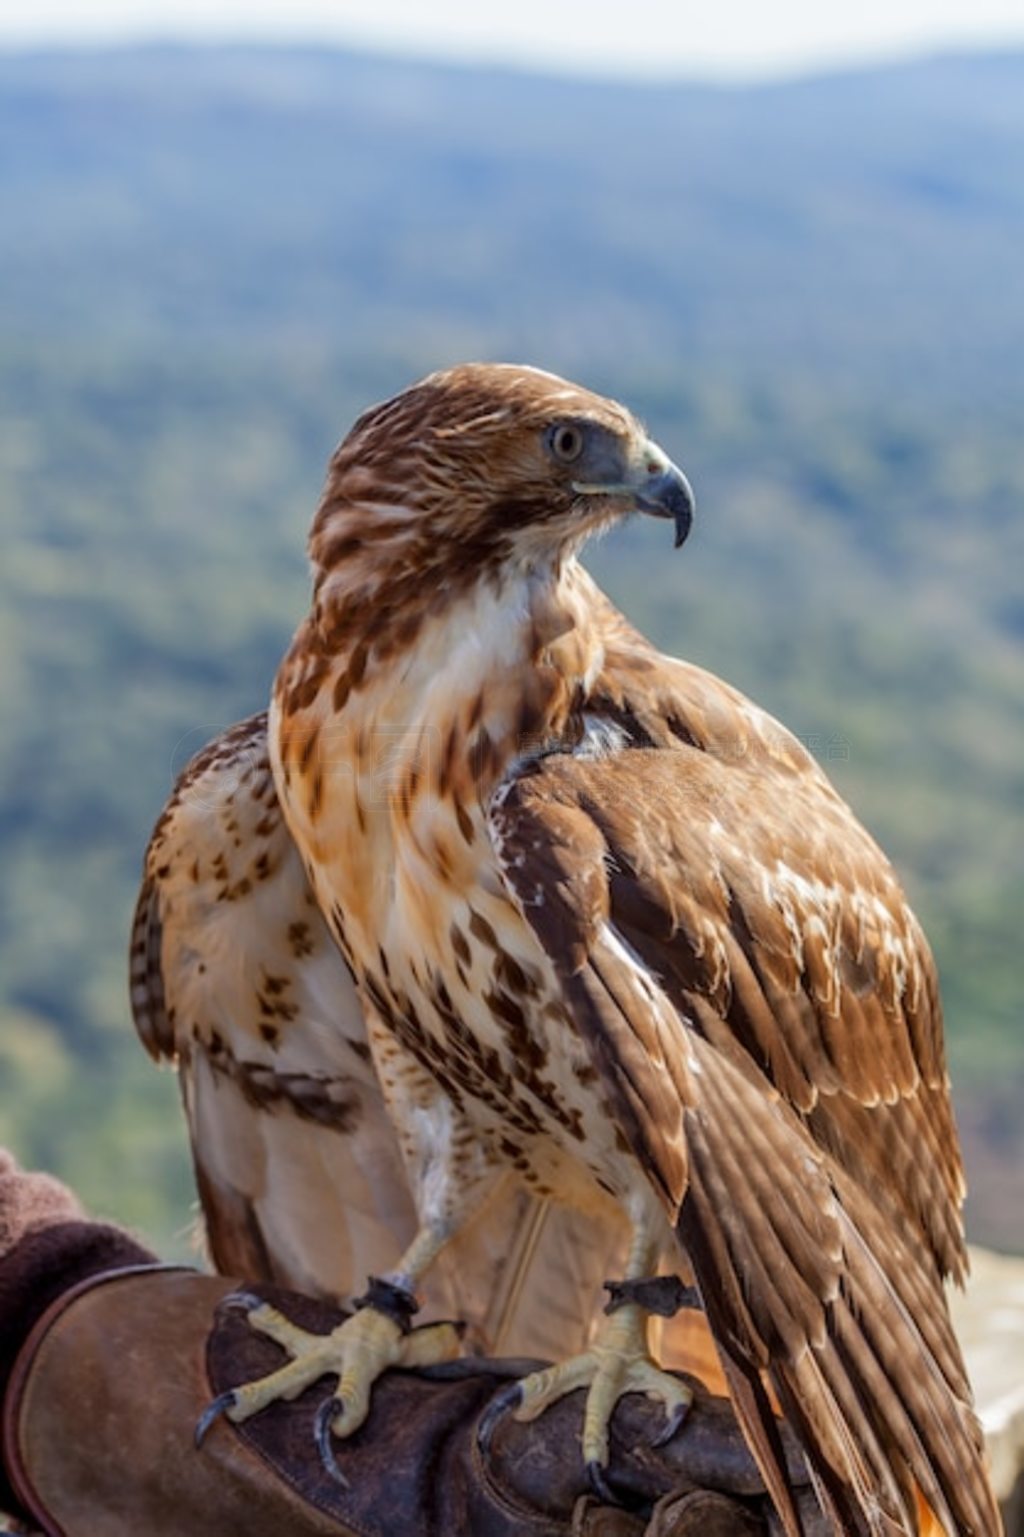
{"points": [[762, 1006]]}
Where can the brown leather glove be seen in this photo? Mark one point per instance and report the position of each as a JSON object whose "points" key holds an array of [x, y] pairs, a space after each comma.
{"points": [[103, 1399], [47, 1245]]}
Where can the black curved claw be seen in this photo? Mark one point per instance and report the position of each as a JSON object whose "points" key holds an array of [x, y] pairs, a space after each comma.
{"points": [[220, 1405], [600, 1485], [509, 1398], [672, 1423], [322, 1431]]}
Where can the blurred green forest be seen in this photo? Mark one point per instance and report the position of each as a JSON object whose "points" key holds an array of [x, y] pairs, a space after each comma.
{"points": [[210, 260]]}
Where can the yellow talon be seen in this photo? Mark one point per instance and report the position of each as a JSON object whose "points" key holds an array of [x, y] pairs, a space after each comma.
{"points": [[617, 1363], [357, 1352]]}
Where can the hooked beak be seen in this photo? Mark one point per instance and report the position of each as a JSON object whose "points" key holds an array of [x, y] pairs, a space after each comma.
{"points": [[663, 490], [656, 486]]}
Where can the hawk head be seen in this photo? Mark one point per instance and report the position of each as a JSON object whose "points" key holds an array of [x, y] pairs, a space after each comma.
{"points": [[485, 466]]}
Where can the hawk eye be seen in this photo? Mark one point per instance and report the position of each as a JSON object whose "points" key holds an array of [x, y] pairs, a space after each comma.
{"points": [[565, 440]]}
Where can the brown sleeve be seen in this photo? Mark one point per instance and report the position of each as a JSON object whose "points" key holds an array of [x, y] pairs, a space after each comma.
{"points": [[47, 1245]]}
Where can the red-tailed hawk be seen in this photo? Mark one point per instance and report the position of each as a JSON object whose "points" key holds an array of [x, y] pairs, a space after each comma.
{"points": [[615, 932]]}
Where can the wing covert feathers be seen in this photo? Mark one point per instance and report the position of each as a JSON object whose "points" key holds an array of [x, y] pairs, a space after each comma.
{"points": [[763, 1011]]}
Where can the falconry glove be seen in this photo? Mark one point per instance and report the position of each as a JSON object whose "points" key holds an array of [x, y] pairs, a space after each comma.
{"points": [[109, 1358]]}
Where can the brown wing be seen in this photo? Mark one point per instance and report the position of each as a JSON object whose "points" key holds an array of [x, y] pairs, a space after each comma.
{"points": [[235, 979], [762, 1006], [830, 983]]}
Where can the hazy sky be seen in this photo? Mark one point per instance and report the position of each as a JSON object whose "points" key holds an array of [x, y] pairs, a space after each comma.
{"points": [[670, 36]]}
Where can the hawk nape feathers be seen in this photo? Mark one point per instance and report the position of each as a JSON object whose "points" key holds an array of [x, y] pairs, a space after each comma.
{"points": [[614, 939]]}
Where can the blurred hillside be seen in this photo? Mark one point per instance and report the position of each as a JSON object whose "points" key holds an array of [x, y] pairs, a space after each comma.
{"points": [[211, 260]]}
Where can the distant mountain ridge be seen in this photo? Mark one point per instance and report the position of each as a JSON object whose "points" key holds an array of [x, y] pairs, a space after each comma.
{"points": [[833, 218]]}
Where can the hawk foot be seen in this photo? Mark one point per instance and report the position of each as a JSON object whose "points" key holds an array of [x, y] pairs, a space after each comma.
{"points": [[357, 1352], [616, 1363]]}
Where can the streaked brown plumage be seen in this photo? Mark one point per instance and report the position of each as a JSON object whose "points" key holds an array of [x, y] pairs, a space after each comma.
{"points": [[616, 932], [237, 982]]}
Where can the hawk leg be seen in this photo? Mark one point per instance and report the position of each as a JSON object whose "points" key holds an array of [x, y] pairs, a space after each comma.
{"points": [[450, 1174], [618, 1362]]}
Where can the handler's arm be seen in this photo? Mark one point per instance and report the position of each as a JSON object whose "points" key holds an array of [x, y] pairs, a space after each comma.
{"points": [[107, 1360]]}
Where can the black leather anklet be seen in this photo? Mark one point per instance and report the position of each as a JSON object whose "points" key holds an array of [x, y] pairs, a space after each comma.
{"points": [[664, 1295], [393, 1301]]}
